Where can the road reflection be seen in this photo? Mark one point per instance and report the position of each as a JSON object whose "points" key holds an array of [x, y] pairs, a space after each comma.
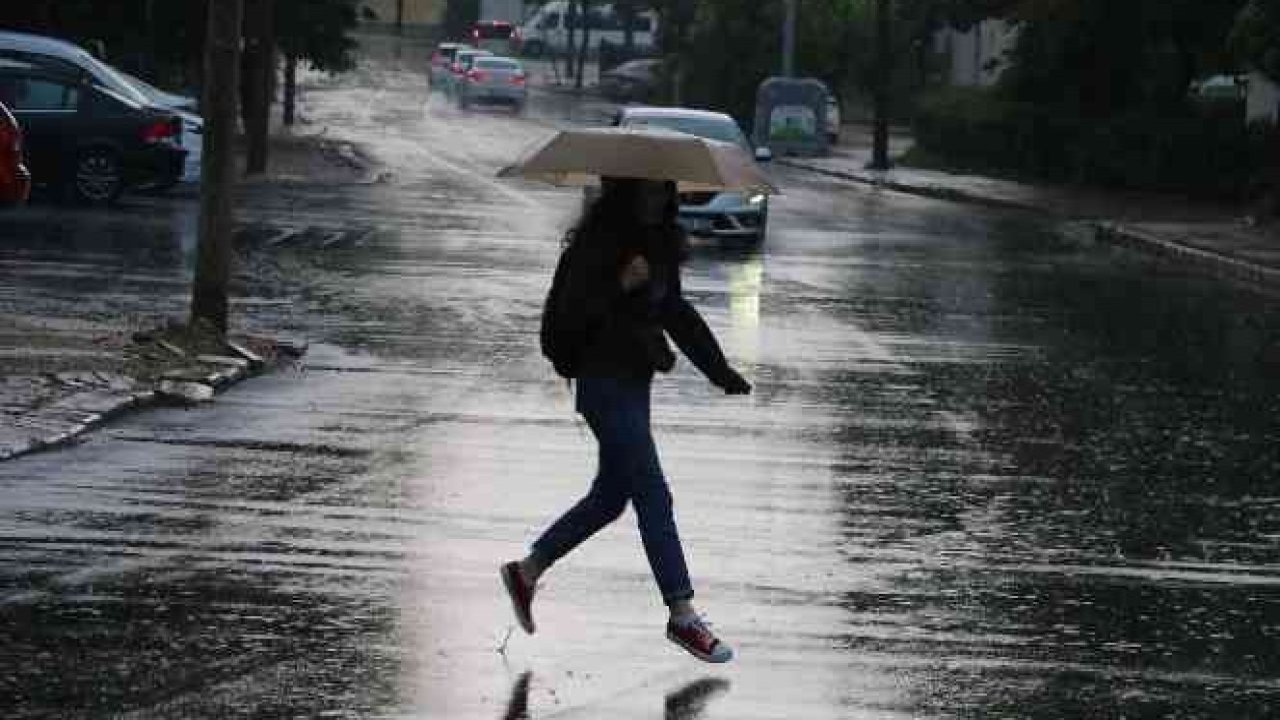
{"points": [[688, 702]]}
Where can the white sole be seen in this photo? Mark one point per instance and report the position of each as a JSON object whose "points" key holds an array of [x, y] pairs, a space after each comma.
{"points": [[701, 656]]}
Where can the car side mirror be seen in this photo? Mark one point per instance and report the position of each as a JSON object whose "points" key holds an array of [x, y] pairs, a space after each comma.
{"points": [[764, 154]]}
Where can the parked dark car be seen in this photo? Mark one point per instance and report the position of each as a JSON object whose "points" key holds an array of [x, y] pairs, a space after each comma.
{"points": [[15, 181], [87, 140]]}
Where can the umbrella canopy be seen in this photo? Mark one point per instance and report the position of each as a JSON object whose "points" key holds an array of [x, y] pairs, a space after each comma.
{"points": [[581, 156]]}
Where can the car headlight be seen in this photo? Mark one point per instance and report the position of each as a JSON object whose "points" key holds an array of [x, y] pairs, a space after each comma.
{"points": [[755, 199]]}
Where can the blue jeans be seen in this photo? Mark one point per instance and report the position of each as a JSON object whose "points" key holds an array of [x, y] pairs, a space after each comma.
{"points": [[618, 413]]}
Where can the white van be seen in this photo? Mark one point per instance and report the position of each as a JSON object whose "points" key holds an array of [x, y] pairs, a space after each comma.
{"points": [[548, 28]]}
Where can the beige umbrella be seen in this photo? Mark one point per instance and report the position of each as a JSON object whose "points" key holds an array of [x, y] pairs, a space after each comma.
{"points": [[582, 156]]}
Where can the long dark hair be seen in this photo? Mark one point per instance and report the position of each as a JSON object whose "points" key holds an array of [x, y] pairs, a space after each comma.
{"points": [[612, 218]]}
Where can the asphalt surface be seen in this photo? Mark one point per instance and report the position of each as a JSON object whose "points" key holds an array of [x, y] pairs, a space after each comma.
{"points": [[989, 470]]}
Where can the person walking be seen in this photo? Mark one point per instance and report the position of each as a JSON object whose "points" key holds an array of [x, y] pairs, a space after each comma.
{"points": [[616, 296]]}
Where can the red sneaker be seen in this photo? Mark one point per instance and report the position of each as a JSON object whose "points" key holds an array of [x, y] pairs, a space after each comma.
{"points": [[698, 639], [521, 594]]}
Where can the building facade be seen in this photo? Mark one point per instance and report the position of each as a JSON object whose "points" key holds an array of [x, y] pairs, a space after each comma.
{"points": [[977, 55]]}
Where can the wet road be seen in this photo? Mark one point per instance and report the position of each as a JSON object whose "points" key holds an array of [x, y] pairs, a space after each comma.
{"points": [[989, 471]]}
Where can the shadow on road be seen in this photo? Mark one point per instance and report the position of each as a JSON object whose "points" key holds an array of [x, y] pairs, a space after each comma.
{"points": [[686, 703]]}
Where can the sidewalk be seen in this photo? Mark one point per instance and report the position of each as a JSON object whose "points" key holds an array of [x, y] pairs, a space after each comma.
{"points": [[1218, 239], [70, 361]]}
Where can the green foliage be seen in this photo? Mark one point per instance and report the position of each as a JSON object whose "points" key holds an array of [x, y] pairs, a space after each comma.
{"points": [[735, 44], [459, 16], [1255, 38], [164, 39], [150, 37], [1099, 58], [1205, 151], [317, 31]]}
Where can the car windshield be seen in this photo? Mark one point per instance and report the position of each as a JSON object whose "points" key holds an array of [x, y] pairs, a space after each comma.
{"points": [[711, 128]]}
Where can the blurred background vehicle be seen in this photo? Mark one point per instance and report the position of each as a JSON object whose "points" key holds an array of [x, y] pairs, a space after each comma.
{"points": [[75, 61], [740, 215], [547, 30], [494, 80], [632, 81], [88, 140], [441, 60], [462, 62], [496, 36], [15, 180]]}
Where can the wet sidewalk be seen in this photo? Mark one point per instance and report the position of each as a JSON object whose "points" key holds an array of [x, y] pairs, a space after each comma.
{"points": [[70, 364], [1219, 239]]}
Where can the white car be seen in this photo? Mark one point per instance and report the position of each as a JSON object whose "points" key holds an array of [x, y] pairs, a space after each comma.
{"points": [[723, 215], [78, 62]]}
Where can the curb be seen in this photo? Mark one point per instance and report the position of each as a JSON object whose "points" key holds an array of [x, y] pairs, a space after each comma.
{"points": [[78, 413], [1221, 265], [876, 179]]}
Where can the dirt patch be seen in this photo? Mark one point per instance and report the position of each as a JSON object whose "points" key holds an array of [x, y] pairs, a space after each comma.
{"points": [[316, 158]]}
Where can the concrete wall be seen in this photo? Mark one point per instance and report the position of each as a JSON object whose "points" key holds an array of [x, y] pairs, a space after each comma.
{"points": [[416, 12], [976, 54], [1264, 99]]}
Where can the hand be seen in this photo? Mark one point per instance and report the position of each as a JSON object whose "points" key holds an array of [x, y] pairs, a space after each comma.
{"points": [[635, 274], [735, 384]]}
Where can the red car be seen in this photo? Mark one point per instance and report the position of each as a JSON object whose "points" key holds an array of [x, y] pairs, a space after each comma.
{"points": [[15, 181]]}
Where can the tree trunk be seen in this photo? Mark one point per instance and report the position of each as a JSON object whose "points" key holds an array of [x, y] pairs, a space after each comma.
{"points": [[259, 66], [884, 77], [571, 22], [290, 89], [221, 77], [586, 42], [626, 11], [399, 15]]}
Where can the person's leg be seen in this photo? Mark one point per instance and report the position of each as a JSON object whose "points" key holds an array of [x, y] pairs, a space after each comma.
{"points": [[602, 504], [651, 498]]}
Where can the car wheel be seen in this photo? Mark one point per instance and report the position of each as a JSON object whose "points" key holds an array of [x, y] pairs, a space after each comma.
{"points": [[98, 177]]}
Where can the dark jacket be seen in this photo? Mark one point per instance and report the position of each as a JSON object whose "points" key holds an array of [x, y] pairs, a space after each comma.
{"points": [[624, 332]]}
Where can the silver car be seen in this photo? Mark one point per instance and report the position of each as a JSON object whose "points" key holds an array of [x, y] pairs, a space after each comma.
{"points": [[463, 59], [494, 81], [711, 214]]}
